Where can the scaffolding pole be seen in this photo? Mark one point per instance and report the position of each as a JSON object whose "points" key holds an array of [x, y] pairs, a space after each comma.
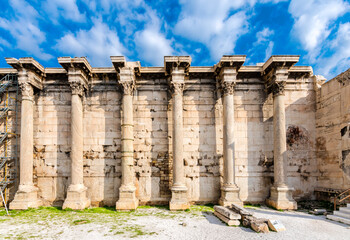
{"points": [[8, 118]]}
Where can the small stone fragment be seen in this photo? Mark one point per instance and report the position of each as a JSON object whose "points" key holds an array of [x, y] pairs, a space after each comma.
{"points": [[260, 227], [276, 225]]}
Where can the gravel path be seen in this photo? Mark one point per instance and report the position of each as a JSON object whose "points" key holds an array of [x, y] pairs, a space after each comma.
{"points": [[159, 223]]}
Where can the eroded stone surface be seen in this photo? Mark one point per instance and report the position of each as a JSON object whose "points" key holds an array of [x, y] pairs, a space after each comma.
{"points": [[316, 131]]}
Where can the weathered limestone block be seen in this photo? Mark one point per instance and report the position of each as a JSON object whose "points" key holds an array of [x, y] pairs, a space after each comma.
{"points": [[227, 212], [230, 222]]}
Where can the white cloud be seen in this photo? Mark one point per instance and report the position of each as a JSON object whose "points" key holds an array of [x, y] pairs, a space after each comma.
{"points": [[211, 23], [313, 20], [97, 44], [68, 9], [263, 35], [153, 46], [340, 59], [4, 43], [24, 28], [263, 41]]}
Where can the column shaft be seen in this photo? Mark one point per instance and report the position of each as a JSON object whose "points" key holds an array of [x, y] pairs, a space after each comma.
{"points": [[26, 142], [127, 191], [229, 189], [229, 161], [127, 141], [280, 145], [77, 140], [27, 194], [280, 194], [179, 199], [76, 193], [178, 165]]}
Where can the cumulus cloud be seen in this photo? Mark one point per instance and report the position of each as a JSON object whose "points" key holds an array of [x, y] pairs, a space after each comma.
{"points": [[263, 40], [153, 46], [97, 43], [24, 28], [144, 30], [340, 59], [210, 23], [68, 9], [312, 22]]}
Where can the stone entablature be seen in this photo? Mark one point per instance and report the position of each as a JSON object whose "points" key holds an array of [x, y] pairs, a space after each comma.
{"points": [[179, 133]]}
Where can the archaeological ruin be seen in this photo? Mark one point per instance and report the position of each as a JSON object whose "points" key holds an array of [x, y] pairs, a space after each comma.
{"points": [[172, 135]]}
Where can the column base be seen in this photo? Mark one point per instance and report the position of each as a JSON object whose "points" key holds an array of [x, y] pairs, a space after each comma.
{"points": [[281, 198], [26, 197], [127, 199], [76, 198], [179, 199], [229, 196]]}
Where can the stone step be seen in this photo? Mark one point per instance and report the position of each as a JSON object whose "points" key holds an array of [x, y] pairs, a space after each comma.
{"points": [[344, 210], [339, 219], [348, 204], [342, 214]]}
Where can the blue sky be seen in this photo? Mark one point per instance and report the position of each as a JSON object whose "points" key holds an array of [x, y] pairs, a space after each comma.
{"points": [[146, 31]]}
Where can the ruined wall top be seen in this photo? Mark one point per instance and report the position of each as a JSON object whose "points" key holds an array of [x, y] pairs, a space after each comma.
{"points": [[119, 62]]}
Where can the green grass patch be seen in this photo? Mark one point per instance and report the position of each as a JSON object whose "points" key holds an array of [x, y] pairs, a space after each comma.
{"points": [[81, 221], [252, 205]]}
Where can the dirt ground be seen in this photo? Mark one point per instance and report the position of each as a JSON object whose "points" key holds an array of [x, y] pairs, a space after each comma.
{"points": [[159, 223]]}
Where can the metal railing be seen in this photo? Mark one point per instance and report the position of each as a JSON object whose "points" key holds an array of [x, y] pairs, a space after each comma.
{"points": [[342, 197]]}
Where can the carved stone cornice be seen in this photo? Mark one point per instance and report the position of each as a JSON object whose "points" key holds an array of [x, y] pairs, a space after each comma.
{"points": [[128, 87], [26, 90], [228, 88], [275, 81], [77, 88], [277, 88], [175, 63], [30, 69], [177, 88]]}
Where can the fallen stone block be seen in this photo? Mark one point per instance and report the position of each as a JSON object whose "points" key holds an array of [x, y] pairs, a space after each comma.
{"points": [[227, 213], [260, 227], [276, 225], [240, 210], [226, 220], [247, 220]]}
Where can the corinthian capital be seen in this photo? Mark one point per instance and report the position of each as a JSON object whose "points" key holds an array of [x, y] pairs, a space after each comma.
{"points": [[77, 88], [228, 88], [128, 87], [278, 88], [26, 91], [177, 88]]}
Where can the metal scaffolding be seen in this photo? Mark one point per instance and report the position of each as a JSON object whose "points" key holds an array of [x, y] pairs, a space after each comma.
{"points": [[8, 133]]}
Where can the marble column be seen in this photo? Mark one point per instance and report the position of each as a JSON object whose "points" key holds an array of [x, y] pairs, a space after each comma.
{"points": [[179, 199], [280, 193], [229, 189], [76, 193], [127, 191], [27, 194]]}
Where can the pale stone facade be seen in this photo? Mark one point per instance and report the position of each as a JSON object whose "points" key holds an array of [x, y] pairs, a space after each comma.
{"points": [[178, 134]]}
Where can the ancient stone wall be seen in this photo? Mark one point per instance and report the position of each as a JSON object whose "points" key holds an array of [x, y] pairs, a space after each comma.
{"points": [[333, 128], [202, 91], [152, 145]]}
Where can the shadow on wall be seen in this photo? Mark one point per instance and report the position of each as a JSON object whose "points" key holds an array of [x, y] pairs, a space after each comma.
{"points": [[102, 141], [151, 145]]}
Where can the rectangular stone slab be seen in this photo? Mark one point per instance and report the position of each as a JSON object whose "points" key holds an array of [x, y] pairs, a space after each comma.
{"points": [[276, 225], [240, 210], [226, 220], [227, 213]]}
